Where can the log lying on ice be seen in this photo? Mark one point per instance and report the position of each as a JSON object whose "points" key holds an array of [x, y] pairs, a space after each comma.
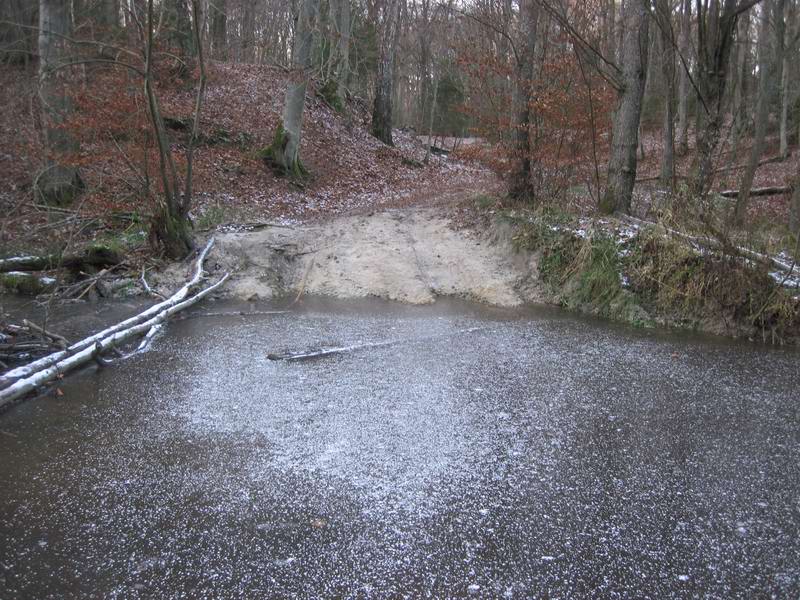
{"points": [[765, 191], [28, 384], [23, 380], [53, 358], [323, 352]]}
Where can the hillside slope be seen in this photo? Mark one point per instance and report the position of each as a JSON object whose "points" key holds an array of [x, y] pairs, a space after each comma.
{"points": [[351, 170]]}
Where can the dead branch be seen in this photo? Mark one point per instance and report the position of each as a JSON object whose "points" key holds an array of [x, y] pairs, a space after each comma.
{"points": [[712, 244], [48, 334], [147, 287], [323, 352], [56, 357], [41, 377]]}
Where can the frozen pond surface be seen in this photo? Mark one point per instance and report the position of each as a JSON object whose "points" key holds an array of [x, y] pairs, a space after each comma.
{"points": [[537, 456]]}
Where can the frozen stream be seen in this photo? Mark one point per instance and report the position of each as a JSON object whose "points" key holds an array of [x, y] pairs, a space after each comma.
{"points": [[502, 454]]}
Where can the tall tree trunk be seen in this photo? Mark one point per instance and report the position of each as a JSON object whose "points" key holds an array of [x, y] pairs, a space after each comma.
{"points": [[58, 182], [285, 149], [789, 37], [742, 77], [384, 83], [429, 143], [715, 34], [609, 18], [683, 83], [179, 27], [521, 187], [170, 226], [248, 31], [424, 63], [219, 29], [622, 163], [794, 208], [343, 25], [762, 114], [664, 16]]}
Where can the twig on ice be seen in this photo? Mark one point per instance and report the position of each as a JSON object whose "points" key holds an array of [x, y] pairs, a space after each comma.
{"points": [[292, 356]]}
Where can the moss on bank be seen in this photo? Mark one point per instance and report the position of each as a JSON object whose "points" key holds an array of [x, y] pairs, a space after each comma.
{"points": [[648, 278], [25, 284], [274, 156]]}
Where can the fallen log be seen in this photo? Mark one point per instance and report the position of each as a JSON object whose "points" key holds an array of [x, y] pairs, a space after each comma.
{"points": [[58, 339], [28, 384], [761, 163], [765, 191], [290, 356], [93, 257], [52, 359]]}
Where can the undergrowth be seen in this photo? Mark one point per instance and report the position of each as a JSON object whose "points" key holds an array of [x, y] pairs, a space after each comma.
{"points": [[653, 278]]}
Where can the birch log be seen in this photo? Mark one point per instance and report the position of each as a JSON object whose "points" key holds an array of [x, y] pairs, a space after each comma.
{"points": [[28, 384], [56, 357]]}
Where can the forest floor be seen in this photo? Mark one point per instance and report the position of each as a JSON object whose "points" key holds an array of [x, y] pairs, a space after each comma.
{"points": [[351, 171]]}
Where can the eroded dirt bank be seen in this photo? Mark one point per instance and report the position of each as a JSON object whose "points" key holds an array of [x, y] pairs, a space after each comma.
{"points": [[406, 255]]}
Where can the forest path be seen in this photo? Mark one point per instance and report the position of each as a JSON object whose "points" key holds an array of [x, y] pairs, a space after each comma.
{"points": [[411, 255]]}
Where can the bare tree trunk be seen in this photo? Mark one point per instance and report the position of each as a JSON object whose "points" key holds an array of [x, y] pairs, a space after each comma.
{"points": [[58, 182], [248, 31], [742, 76], [683, 84], [384, 83], [715, 34], [622, 163], [429, 144], [520, 184], [424, 61], [170, 226], [794, 209], [610, 16], [180, 27], [285, 150], [343, 25], [219, 29], [789, 38], [664, 16], [762, 115]]}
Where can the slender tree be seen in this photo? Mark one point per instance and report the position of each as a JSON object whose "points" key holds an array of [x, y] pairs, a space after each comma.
{"points": [[521, 186], [683, 72], [716, 25], [384, 80], [667, 42], [762, 112], [59, 181], [284, 153], [343, 25], [625, 135], [791, 39], [218, 10]]}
